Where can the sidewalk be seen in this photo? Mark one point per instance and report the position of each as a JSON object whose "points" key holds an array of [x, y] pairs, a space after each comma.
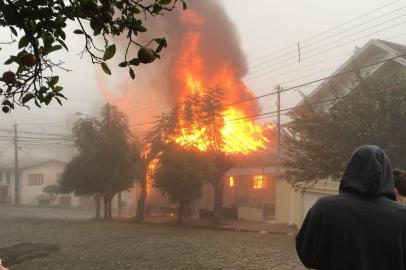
{"points": [[231, 225]]}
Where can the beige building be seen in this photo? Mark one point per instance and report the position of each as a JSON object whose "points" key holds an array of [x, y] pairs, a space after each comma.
{"points": [[379, 58], [33, 180]]}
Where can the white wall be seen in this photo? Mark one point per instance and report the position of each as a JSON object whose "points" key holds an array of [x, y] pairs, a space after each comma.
{"points": [[50, 170], [292, 204]]}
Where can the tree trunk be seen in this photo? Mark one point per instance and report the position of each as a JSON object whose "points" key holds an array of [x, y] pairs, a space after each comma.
{"points": [[180, 213], [139, 217], [218, 202], [106, 207], [111, 208], [119, 204], [97, 200]]}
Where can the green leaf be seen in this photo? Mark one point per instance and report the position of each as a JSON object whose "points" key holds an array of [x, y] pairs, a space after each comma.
{"points": [[27, 98], [23, 42], [141, 28], [78, 32], [135, 10], [110, 52], [8, 103], [61, 95], [20, 69], [162, 42], [48, 98], [55, 48], [58, 100], [58, 89], [165, 2], [123, 64], [13, 30], [63, 44], [134, 62], [132, 74], [157, 8], [54, 80], [37, 104], [9, 61], [105, 68]]}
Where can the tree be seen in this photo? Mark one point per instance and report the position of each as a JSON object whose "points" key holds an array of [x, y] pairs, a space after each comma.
{"points": [[154, 142], [179, 176], [105, 164], [52, 191], [38, 29], [82, 174], [116, 155], [374, 112], [206, 111]]}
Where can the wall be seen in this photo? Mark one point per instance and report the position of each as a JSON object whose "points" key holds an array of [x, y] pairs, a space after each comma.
{"points": [[293, 204]]}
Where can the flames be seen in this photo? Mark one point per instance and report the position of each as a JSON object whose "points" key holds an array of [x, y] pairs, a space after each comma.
{"points": [[194, 76]]}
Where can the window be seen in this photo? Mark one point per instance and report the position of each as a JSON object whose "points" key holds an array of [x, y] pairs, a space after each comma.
{"points": [[231, 181], [35, 179], [259, 182]]}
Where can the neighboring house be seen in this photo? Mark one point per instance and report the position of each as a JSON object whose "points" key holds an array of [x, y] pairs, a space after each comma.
{"points": [[33, 180], [6, 185], [292, 204]]}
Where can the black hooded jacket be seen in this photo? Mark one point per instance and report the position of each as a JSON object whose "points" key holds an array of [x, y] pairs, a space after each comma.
{"points": [[362, 228]]}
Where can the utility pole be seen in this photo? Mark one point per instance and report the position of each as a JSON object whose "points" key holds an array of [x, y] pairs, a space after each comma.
{"points": [[16, 170], [278, 168]]}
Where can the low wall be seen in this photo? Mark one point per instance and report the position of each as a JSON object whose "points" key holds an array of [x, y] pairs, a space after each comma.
{"points": [[250, 214]]}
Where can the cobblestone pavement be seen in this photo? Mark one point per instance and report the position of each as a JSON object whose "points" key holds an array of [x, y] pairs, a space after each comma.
{"points": [[98, 245]]}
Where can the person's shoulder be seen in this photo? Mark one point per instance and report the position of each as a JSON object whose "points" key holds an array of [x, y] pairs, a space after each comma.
{"points": [[397, 206], [327, 201]]}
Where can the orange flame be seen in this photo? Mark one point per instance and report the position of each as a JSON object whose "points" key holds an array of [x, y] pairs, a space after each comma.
{"points": [[239, 134]]}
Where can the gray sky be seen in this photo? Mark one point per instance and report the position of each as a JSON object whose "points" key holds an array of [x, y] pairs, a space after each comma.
{"points": [[265, 27]]}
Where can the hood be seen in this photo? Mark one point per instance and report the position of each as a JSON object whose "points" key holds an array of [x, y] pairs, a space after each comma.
{"points": [[369, 173]]}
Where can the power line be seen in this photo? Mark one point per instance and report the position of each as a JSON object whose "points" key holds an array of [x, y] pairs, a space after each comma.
{"points": [[310, 65], [329, 30], [318, 80], [322, 52]]}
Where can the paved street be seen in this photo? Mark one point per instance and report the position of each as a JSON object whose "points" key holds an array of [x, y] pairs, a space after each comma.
{"points": [[98, 245]]}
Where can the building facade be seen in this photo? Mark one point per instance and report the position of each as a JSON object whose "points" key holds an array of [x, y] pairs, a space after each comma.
{"points": [[379, 59], [33, 180]]}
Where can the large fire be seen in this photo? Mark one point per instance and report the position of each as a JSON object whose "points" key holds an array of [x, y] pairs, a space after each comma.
{"points": [[240, 135]]}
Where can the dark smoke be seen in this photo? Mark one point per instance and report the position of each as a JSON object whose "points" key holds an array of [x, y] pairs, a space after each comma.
{"points": [[219, 42]]}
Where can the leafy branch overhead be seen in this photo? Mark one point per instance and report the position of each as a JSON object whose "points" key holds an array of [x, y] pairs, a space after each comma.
{"points": [[38, 28]]}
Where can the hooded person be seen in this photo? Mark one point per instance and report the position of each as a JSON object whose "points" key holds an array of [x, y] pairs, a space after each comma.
{"points": [[362, 228]]}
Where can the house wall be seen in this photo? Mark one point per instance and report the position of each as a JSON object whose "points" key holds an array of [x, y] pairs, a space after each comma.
{"points": [[29, 194], [244, 194], [7, 183], [292, 204]]}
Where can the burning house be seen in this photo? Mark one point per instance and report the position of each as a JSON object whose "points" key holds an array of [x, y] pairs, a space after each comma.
{"points": [[203, 54]]}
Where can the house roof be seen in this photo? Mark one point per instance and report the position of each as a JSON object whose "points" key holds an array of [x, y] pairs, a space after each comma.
{"points": [[251, 171], [397, 47], [382, 49], [42, 163]]}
